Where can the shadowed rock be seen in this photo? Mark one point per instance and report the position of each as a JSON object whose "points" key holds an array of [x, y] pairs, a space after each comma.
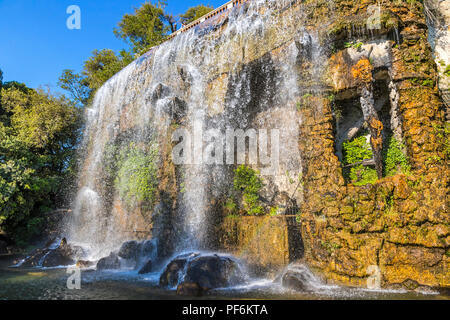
{"points": [[50, 256], [191, 289], [211, 272], [129, 250], [173, 272], [147, 268], [110, 262]]}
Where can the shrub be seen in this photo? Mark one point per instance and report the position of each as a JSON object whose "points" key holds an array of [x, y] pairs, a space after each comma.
{"points": [[246, 180], [356, 151], [133, 172], [395, 160]]}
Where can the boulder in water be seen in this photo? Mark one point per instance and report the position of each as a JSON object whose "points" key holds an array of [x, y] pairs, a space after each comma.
{"points": [[147, 268], [130, 250], [34, 258], [191, 289], [201, 273], [110, 262], [213, 271], [64, 255], [174, 270], [294, 281], [300, 278], [56, 258], [50, 256]]}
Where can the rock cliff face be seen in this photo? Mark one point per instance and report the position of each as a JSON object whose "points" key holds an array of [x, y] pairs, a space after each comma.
{"points": [[325, 74]]}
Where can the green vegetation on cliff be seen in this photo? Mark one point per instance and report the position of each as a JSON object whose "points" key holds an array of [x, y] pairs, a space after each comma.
{"points": [[395, 160], [355, 152], [133, 171], [247, 181]]}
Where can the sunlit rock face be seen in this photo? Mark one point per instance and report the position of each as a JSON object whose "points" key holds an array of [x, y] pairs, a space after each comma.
{"points": [[438, 19], [317, 73]]}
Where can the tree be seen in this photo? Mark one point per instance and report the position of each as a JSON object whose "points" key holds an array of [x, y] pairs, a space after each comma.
{"points": [[103, 65], [195, 13], [145, 28], [76, 85], [37, 147], [98, 69]]}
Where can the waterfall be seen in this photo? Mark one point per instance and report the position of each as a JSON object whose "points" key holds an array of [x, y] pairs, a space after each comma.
{"points": [[223, 79]]}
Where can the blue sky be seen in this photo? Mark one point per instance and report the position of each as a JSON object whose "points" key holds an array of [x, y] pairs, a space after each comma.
{"points": [[36, 45]]}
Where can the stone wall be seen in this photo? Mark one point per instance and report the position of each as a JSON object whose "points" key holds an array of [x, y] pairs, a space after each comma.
{"points": [[400, 224], [266, 244]]}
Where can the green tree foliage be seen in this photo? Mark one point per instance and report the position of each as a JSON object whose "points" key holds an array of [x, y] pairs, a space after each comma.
{"points": [[38, 133], [147, 27], [98, 69], [103, 65], [76, 85], [195, 13]]}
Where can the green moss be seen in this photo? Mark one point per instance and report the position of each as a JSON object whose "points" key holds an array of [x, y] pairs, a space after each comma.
{"points": [[442, 133], [247, 181], [274, 211], [330, 246], [356, 151], [354, 45], [230, 206], [428, 83], [395, 160]]}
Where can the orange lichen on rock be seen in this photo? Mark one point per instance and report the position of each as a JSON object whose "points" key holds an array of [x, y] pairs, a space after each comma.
{"points": [[362, 71]]}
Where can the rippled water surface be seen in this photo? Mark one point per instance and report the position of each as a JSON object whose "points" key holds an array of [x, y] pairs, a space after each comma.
{"points": [[38, 284]]}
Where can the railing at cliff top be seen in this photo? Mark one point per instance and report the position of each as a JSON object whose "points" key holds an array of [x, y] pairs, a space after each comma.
{"points": [[225, 7]]}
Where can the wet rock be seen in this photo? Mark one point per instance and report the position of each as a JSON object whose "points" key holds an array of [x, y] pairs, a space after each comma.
{"points": [[56, 258], [161, 91], [147, 268], [174, 270], [214, 271], [300, 278], [34, 258], [294, 281], [148, 248], [191, 289], [64, 255], [129, 250], [84, 264], [110, 262]]}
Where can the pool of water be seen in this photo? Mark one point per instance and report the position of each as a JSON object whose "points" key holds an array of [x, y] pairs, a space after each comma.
{"points": [[51, 284]]}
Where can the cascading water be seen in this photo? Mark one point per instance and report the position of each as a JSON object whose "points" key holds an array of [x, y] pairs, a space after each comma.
{"points": [[140, 99]]}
